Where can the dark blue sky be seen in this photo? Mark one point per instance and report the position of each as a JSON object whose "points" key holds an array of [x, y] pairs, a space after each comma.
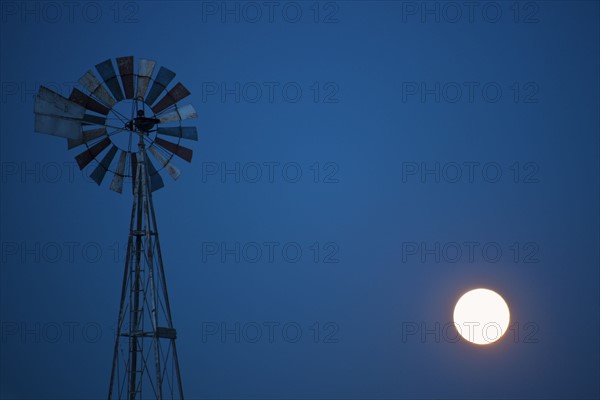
{"points": [[362, 99]]}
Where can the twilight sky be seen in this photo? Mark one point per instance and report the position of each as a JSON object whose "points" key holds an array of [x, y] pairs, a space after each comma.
{"points": [[360, 165]]}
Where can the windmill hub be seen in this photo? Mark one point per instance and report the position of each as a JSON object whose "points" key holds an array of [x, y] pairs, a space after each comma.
{"points": [[142, 123]]}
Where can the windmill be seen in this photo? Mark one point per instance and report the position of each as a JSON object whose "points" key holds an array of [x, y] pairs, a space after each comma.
{"points": [[122, 114]]}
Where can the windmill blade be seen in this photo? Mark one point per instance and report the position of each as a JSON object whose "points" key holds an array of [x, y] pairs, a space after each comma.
{"points": [[180, 114], [185, 132], [174, 95], [163, 78], [93, 120], [171, 169], [178, 150], [56, 115], [100, 171], [145, 70], [88, 155], [93, 85], [133, 170], [86, 101], [156, 181], [125, 65], [134, 165], [86, 136], [107, 72], [57, 126], [117, 183], [49, 102]]}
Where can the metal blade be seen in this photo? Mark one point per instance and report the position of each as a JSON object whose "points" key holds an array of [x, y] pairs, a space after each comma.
{"points": [[88, 155], [56, 115], [163, 78], [93, 120], [171, 169], [133, 170], [186, 132], [86, 101], [180, 114], [107, 72], [156, 181], [93, 85], [117, 183], [100, 171], [85, 137], [145, 70], [51, 103], [174, 95], [57, 126], [125, 65], [178, 150]]}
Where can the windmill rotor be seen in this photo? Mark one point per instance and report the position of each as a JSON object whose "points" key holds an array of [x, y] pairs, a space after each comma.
{"points": [[115, 109]]}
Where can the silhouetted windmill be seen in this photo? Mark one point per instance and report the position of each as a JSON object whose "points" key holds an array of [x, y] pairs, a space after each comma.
{"points": [[117, 112]]}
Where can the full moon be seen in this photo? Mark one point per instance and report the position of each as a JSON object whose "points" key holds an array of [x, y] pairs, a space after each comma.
{"points": [[481, 316]]}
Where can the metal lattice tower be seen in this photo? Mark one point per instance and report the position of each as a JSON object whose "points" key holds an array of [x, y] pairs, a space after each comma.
{"points": [[145, 362], [145, 322]]}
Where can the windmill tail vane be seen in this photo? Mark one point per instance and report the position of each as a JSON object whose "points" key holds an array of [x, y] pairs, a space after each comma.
{"points": [[133, 114]]}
